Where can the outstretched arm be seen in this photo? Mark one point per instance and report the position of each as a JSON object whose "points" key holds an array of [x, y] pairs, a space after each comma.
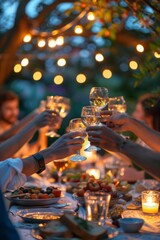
{"points": [[122, 123], [107, 139]]}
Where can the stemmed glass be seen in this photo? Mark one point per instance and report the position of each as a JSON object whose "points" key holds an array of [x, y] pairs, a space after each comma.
{"points": [[117, 104], [90, 117], [60, 165], [76, 124], [99, 97], [51, 105]]}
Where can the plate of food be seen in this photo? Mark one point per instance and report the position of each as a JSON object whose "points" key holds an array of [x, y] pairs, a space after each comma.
{"points": [[73, 227], [39, 215], [34, 196]]}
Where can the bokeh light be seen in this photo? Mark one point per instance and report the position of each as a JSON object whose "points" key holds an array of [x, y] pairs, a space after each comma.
{"points": [[24, 62], [107, 73], [90, 16], [60, 41], [27, 38], [17, 68], [133, 65], [140, 48], [61, 62], [81, 78], [58, 79], [37, 75], [78, 29], [51, 43], [99, 57], [157, 55], [41, 43]]}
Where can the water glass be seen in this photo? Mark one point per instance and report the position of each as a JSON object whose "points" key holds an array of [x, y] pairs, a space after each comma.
{"points": [[97, 204]]}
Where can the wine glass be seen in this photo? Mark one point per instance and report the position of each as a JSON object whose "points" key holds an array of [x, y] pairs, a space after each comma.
{"points": [[51, 105], [62, 105], [90, 117], [61, 165], [99, 97], [117, 105], [76, 124]]}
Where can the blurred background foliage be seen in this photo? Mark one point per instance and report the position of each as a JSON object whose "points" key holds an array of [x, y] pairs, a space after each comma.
{"points": [[115, 30]]}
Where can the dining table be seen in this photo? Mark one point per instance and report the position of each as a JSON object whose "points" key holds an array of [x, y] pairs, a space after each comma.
{"points": [[25, 229]]}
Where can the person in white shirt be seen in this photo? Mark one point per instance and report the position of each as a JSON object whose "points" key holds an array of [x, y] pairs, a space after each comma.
{"points": [[13, 172]]}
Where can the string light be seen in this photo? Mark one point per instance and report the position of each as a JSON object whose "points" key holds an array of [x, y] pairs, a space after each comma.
{"points": [[17, 68], [81, 78], [78, 29], [99, 57], [51, 43], [140, 48], [133, 65], [61, 62], [58, 80], [90, 16], [107, 73], [157, 55], [41, 43], [24, 62], [27, 38], [37, 75], [60, 41]]}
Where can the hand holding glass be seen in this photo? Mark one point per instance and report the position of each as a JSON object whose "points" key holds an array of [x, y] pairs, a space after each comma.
{"points": [[90, 117]]}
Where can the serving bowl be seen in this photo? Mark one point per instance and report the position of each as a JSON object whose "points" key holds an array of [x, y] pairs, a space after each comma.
{"points": [[131, 225]]}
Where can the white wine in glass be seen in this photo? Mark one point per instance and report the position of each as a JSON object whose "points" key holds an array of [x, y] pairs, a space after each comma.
{"points": [[76, 124], [117, 104], [60, 165], [99, 97], [90, 117]]}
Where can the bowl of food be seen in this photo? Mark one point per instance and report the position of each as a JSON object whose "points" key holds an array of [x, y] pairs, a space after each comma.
{"points": [[131, 225]]}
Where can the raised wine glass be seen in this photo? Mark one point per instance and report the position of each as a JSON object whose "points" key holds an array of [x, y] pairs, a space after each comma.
{"points": [[90, 117], [62, 106], [51, 105], [117, 105], [99, 97], [76, 124]]}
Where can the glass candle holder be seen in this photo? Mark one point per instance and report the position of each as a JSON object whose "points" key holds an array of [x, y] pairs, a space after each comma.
{"points": [[150, 201]]}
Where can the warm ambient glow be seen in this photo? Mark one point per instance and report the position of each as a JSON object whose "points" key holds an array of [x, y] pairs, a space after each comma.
{"points": [[157, 55], [78, 29], [41, 43], [90, 16], [51, 43], [99, 57], [107, 73], [81, 78], [150, 201], [94, 172], [37, 75], [24, 62], [140, 48], [27, 38], [58, 79], [133, 65], [60, 40], [61, 62], [17, 68]]}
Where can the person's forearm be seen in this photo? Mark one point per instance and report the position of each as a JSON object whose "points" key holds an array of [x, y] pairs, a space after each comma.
{"points": [[9, 147], [17, 127], [143, 157], [30, 165], [148, 135]]}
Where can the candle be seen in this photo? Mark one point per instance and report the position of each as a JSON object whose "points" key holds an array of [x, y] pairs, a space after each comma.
{"points": [[150, 202], [94, 172]]}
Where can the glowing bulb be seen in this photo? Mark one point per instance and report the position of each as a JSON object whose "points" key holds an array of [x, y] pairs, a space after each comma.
{"points": [[78, 29], [107, 73], [37, 75], [24, 62], [99, 57], [60, 40], [140, 48], [90, 16], [27, 38], [41, 43], [61, 62], [157, 55], [17, 68], [58, 79], [81, 78], [51, 43], [133, 65]]}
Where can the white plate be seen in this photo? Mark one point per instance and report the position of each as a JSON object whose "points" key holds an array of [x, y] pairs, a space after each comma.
{"points": [[31, 202], [39, 215]]}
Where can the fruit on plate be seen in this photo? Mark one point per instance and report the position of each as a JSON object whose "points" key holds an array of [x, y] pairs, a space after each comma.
{"points": [[36, 193], [77, 177]]}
